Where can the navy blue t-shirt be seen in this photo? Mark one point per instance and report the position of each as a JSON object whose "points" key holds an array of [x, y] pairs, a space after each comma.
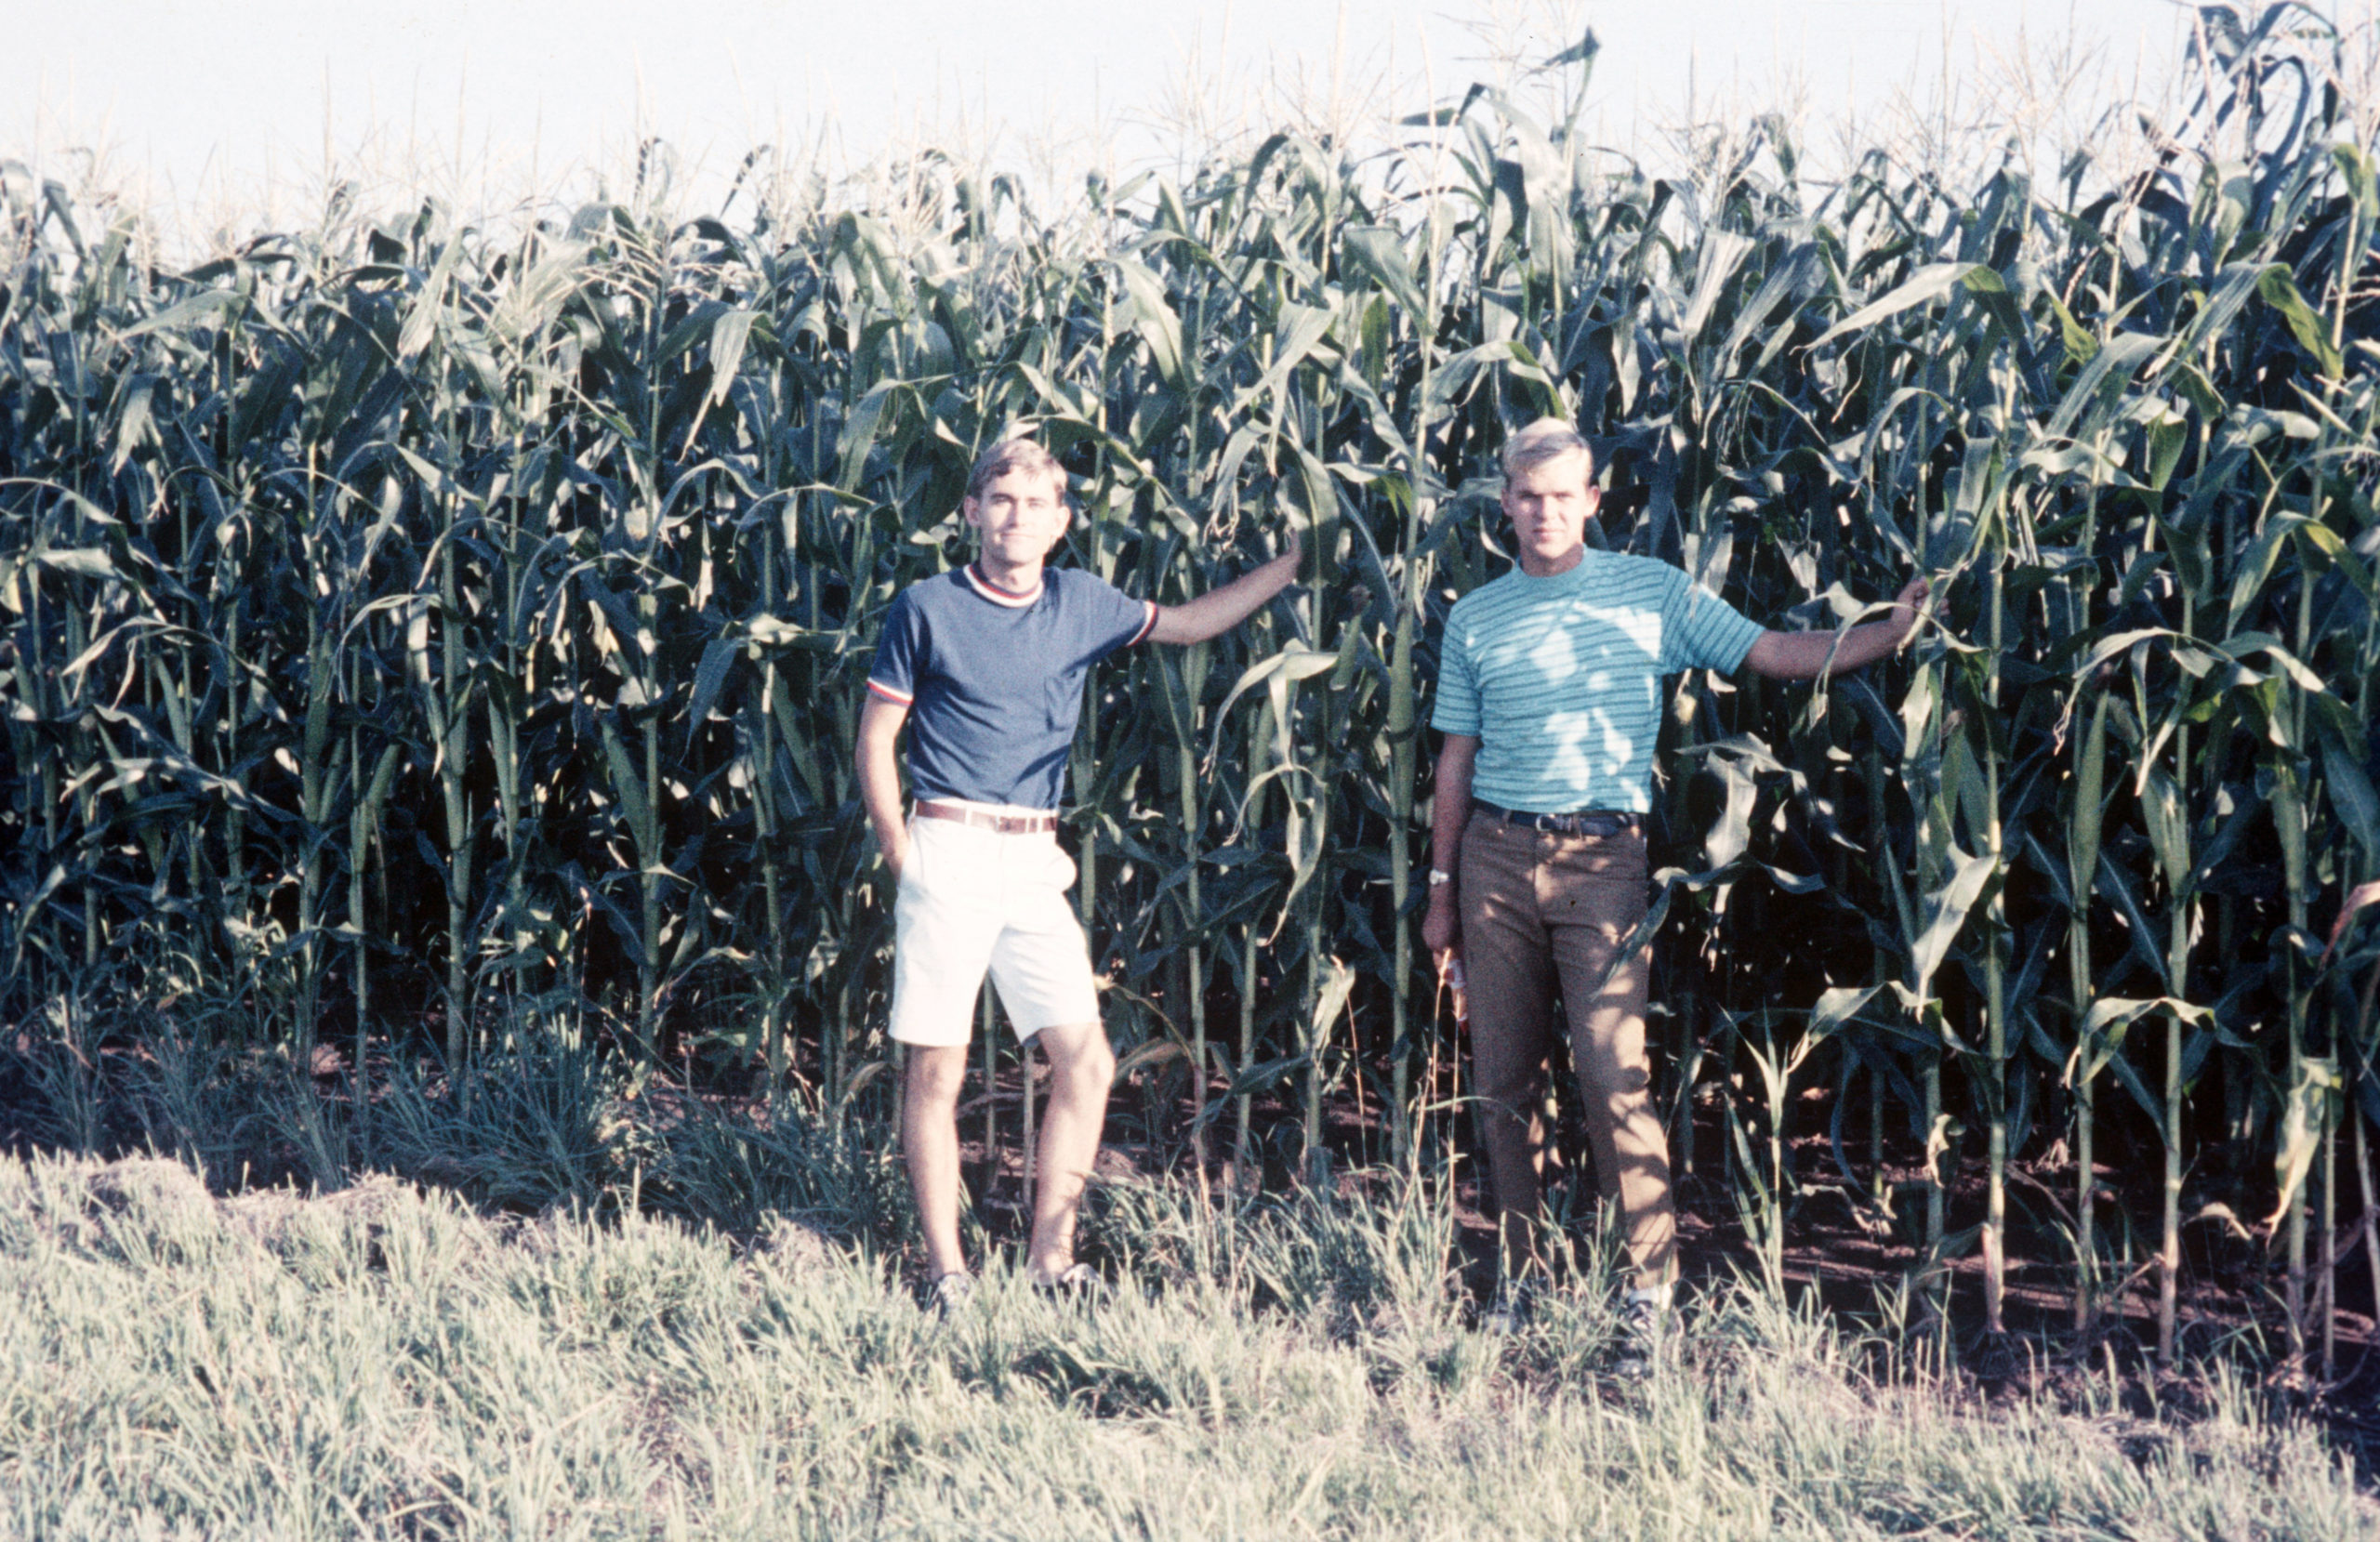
{"points": [[993, 681]]}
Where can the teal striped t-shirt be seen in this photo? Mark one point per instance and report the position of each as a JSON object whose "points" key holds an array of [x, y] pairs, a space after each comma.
{"points": [[1560, 678]]}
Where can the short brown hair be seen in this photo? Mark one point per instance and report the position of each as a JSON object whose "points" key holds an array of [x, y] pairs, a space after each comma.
{"points": [[1547, 439], [1017, 453]]}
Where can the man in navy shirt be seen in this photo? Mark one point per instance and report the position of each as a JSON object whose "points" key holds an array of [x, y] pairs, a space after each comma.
{"points": [[987, 665]]}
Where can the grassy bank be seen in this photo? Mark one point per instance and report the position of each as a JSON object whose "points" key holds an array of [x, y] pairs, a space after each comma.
{"points": [[380, 1360]]}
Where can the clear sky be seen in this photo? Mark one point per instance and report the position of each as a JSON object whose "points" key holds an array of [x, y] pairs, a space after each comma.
{"points": [[237, 102]]}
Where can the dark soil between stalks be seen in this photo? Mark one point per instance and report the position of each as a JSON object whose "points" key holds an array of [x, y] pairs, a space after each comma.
{"points": [[1839, 1246]]}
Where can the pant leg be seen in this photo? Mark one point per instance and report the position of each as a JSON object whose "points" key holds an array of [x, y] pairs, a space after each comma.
{"points": [[1596, 897], [1511, 975]]}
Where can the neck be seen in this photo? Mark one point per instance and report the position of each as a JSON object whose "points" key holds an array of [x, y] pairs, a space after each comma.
{"points": [[1543, 567], [1015, 577]]}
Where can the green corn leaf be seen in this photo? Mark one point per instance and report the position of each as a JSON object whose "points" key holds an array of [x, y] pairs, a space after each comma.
{"points": [[2351, 795], [710, 676], [2275, 286], [2090, 802], [1927, 283], [1153, 319], [2092, 399], [2308, 1107], [2169, 833], [1946, 911], [1837, 1007], [82, 561], [628, 785], [1378, 251]]}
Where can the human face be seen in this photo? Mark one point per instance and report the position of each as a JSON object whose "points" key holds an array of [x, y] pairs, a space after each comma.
{"points": [[1550, 504], [1017, 520]]}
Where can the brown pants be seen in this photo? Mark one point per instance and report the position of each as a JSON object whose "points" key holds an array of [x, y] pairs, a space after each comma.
{"points": [[1540, 910]]}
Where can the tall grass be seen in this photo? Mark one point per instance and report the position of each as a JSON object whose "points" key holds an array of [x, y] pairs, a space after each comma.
{"points": [[414, 629], [382, 1362]]}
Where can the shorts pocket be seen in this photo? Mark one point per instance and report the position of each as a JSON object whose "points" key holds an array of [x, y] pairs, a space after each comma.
{"points": [[914, 861]]}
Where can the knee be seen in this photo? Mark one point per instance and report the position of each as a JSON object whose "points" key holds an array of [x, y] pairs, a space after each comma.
{"points": [[935, 1076], [1095, 1070], [1087, 1066], [1505, 1087]]}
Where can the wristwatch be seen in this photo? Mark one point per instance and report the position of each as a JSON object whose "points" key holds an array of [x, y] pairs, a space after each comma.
{"points": [[1439, 876]]}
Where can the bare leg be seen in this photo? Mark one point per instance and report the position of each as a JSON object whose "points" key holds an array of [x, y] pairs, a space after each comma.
{"points": [[1081, 1066], [930, 1139]]}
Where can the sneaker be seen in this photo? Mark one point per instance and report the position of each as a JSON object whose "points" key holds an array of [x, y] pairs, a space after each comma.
{"points": [[1507, 1313], [950, 1294], [1074, 1282], [1644, 1328]]}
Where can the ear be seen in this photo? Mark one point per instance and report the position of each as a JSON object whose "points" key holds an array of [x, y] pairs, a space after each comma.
{"points": [[1595, 500], [971, 512]]}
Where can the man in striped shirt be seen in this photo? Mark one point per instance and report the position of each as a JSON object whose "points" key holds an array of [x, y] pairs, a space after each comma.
{"points": [[986, 667], [1550, 695]]}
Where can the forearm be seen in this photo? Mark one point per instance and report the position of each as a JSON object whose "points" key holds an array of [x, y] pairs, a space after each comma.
{"points": [[1450, 811], [878, 766], [1808, 655], [1218, 609], [879, 792]]}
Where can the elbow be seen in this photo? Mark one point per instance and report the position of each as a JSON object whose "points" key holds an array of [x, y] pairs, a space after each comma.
{"points": [[1455, 760], [872, 757]]}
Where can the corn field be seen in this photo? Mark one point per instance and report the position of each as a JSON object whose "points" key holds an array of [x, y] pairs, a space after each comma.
{"points": [[420, 631]]}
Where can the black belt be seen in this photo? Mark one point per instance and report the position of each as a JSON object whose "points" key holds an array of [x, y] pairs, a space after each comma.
{"points": [[1579, 822]]}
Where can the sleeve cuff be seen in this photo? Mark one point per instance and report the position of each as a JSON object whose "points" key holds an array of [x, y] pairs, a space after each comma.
{"points": [[1149, 624], [898, 698]]}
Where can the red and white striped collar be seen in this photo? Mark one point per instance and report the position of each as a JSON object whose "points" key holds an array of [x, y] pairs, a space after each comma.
{"points": [[997, 596]]}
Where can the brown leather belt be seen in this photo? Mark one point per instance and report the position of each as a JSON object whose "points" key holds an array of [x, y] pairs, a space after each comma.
{"points": [[1007, 825]]}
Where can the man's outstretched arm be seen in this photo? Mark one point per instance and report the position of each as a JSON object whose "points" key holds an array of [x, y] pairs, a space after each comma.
{"points": [[1806, 655], [1218, 609]]}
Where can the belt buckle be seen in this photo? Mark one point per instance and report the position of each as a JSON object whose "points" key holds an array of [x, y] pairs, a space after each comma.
{"points": [[1585, 822]]}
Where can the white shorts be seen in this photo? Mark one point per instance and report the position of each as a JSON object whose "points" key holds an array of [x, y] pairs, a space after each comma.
{"points": [[971, 900]]}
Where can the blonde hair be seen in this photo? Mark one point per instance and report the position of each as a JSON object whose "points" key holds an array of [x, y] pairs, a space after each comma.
{"points": [[1547, 439], [1018, 452]]}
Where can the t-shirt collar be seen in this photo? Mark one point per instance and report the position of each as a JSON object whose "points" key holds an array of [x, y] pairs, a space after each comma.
{"points": [[997, 596], [1575, 573]]}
